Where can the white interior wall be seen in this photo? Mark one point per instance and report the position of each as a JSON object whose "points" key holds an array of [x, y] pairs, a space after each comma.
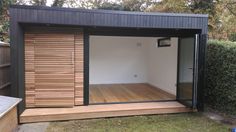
{"points": [[133, 60], [162, 65], [117, 60]]}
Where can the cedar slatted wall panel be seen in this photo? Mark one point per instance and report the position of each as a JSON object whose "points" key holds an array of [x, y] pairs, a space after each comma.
{"points": [[54, 70], [50, 81], [79, 71], [29, 71]]}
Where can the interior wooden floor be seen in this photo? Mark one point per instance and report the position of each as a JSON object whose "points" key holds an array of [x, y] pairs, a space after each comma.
{"points": [[102, 110], [185, 90], [112, 93]]}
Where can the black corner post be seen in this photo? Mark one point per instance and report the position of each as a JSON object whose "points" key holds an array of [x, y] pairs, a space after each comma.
{"points": [[21, 69], [201, 71], [86, 66], [17, 60]]}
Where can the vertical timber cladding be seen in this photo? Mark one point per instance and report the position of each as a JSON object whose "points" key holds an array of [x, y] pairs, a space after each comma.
{"points": [[53, 69], [79, 68], [29, 71]]}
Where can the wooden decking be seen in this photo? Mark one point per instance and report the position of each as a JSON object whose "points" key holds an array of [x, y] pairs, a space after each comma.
{"points": [[97, 111], [111, 93]]}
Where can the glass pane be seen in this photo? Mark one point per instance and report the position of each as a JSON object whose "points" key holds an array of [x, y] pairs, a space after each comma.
{"points": [[185, 77]]}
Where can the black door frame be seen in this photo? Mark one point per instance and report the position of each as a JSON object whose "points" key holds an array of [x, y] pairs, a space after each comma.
{"points": [[126, 32], [195, 73], [86, 67]]}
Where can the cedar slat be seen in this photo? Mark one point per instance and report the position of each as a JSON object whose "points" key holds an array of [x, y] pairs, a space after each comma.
{"points": [[79, 65], [29, 71], [49, 70]]}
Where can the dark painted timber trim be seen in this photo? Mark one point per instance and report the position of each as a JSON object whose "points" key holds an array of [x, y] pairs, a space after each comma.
{"points": [[17, 61], [143, 32], [86, 67], [194, 74], [106, 18], [195, 70], [107, 11], [201, 71]]}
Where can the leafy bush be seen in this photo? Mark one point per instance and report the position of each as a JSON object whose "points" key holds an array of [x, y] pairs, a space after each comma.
{"points": [[232, 37], [220, 92]]}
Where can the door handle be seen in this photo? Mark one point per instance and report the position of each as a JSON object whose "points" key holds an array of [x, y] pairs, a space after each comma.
{"points": [[190, 68]]}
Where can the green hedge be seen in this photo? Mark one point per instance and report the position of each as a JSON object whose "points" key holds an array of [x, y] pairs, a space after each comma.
{"points": [[220, 92]]}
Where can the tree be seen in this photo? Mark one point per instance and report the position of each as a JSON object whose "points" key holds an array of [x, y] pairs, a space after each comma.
{"points": [[231, 6], [38, 2], [136, 5], [128, 5], [110, 6], [173, 6], [227, 15], [58, 3], [4, 19], [207, 7], [99, 4]]}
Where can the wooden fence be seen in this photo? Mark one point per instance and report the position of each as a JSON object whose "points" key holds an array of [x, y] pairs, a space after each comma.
{"points": [[5, 69]]}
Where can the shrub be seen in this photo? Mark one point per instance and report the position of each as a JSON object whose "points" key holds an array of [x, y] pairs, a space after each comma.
{"points": [[232, 37], [220, 92]]}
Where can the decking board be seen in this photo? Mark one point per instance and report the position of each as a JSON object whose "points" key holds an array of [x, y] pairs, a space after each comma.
{"points": [[98, 111]]}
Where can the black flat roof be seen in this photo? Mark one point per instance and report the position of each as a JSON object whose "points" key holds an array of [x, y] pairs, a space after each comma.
{"points": [[107, 18], [107, 11]]}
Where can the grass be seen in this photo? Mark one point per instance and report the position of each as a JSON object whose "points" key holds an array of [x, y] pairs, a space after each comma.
{"points": [[187, 122]]}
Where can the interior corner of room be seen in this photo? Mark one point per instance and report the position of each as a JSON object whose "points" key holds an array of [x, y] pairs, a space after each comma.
{"points": [[135, 69]]}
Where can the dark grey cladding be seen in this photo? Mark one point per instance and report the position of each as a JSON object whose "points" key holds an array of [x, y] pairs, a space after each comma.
{"points": [[108, 18]]}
